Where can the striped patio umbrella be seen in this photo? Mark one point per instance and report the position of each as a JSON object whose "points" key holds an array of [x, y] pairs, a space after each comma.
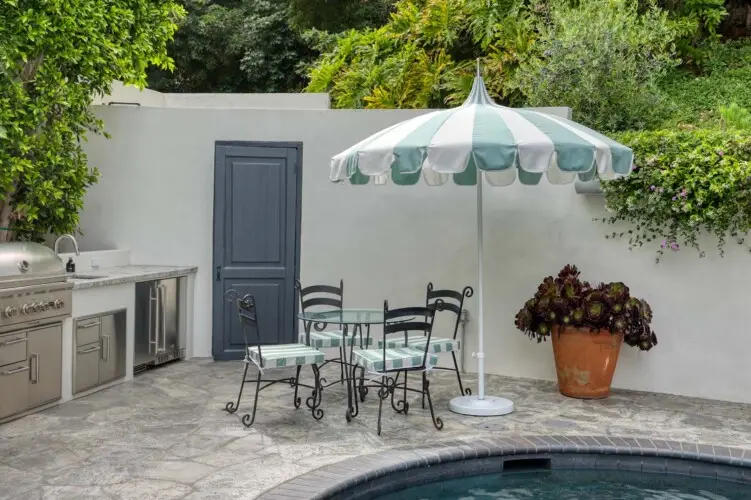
{"points": [[503, 144]]}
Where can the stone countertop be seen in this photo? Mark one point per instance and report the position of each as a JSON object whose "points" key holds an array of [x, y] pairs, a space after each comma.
{"points": [[107, 276]]}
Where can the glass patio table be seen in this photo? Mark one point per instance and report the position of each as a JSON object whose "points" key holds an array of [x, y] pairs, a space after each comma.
{"points": [[355, 318]]}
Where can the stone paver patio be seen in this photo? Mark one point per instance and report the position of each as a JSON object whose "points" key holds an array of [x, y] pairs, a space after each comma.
{"points": [[166, 436]]}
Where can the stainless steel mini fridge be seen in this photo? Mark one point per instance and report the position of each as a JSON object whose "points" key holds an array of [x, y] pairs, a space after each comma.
{"points": [[158, 336]]}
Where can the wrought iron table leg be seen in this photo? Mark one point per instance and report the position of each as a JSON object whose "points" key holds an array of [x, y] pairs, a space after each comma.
{"points": [[247, 419], [230, 406]]}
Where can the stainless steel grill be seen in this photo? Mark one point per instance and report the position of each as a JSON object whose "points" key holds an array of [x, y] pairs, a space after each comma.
{"points": [[33, 286], [35, 298]]}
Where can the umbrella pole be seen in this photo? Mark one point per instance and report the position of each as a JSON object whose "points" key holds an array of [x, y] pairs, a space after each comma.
{"points": [[481, 405], [480, 298]]}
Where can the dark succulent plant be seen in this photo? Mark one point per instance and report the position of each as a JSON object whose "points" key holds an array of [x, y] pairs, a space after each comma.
{"points": [[568, 301]]}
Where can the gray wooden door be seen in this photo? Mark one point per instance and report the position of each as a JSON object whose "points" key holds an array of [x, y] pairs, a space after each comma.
{"points": [[257, 190]]}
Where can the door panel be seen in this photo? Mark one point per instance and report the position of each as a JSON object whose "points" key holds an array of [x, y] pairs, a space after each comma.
{"points": [[45, 364], [256, 240], [112, 354], [86, 369], [14, 388]]}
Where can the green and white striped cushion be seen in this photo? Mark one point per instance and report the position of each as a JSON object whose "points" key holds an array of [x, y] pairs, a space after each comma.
{"points": [[278, 356], [399, 358], [321, 340], [437, 344]]}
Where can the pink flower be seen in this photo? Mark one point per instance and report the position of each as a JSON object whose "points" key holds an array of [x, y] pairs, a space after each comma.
{"points": [[721, 153], [664, 244]]}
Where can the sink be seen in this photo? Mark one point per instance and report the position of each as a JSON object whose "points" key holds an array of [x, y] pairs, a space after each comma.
{"points": [[88, 276]]}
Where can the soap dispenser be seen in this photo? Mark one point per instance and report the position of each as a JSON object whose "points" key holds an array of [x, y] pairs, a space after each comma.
{"points": [[70, 266]]}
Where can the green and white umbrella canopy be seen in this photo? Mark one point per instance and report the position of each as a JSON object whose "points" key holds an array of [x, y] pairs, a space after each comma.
{"points": [[502, 142]]}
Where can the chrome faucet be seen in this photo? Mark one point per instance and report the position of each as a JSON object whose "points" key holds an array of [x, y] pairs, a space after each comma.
{"points": [[62, 237]]}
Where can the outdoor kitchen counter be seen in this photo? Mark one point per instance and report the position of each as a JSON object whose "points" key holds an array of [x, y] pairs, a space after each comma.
{"points": [[128, 274]]}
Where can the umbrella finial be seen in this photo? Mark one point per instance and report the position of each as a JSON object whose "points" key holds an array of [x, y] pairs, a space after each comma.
{"points": [[478, 67]]}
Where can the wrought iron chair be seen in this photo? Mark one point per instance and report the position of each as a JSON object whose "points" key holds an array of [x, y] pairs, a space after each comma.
{"points": [[271, 357], [390, 363], [316, 297], [452, 301]]}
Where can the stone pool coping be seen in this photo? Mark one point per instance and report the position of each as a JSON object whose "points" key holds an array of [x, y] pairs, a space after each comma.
{"points": [[565, 452]]}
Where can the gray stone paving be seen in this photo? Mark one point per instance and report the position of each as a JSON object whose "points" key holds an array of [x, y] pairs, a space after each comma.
{"points": [[166, 436]]}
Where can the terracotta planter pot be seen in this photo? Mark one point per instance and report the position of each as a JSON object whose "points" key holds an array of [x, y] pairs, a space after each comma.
{"points": [[585, 361]]}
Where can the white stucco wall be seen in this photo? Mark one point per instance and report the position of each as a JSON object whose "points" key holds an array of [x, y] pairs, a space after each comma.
{"points": [[155, 197], [131, 95]]}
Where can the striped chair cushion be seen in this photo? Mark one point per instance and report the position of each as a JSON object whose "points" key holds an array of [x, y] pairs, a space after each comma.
{"points": [[437, 344], [399, 358], [320, 340], [278, 356]]}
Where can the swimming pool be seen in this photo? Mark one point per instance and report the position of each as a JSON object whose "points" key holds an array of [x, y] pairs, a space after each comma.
{"points": [[533, 468], [576, 485]]}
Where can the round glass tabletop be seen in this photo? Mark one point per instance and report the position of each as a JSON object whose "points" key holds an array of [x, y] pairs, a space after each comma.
{"points": [[344, 316]]}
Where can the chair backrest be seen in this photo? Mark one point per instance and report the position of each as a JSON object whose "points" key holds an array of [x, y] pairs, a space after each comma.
{"points": [[330, 297], [319, 298], [450, 300], [248, 314], [409, 319]]}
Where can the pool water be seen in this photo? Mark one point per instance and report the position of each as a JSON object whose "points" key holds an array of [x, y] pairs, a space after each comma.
{"points": [[576, 485]]}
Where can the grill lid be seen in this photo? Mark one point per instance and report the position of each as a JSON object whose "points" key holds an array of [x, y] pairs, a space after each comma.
{"points": [[24, 261]]}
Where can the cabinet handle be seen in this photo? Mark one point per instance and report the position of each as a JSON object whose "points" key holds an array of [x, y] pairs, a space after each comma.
{"points": [[153, 299], [17, 370], [89, 325], [35, 372], [14, 341], [90, 349], [106, 350]]}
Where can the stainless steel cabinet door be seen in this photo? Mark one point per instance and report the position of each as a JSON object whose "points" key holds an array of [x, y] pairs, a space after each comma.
{"points": [[45, 364], [112, 354], [14, 385], [86, 369]]}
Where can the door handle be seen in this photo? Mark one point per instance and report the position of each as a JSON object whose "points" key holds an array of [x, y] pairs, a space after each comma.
{"points": [[106, 350], [162, 307], [35, 372], [14, 341], [218, 273], [89, 325], [13, 372], [90, 349]]}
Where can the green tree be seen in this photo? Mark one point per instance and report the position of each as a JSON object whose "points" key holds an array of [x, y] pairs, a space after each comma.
{"points": [[602, 58], [55, 55], [336, 16], [235, 46]]}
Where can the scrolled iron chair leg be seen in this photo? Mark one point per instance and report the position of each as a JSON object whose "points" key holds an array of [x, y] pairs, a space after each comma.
{"points": [[248, 419], [462, 390], [437, 422], [383, 393], [314, 401], [401, 405], [297, 400], [231, 407]]}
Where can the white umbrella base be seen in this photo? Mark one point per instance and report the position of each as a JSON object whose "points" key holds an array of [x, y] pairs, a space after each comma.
{"points": [[491, 406]]}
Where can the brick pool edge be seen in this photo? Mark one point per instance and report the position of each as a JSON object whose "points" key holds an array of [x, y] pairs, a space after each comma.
{"points": [[564, 452]]}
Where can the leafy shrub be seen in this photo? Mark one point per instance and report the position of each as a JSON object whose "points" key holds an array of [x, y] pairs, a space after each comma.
{"points": [[567, 301], [685, 182], [735, 117], [602, 58], [725, 77], [425, 55]]}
